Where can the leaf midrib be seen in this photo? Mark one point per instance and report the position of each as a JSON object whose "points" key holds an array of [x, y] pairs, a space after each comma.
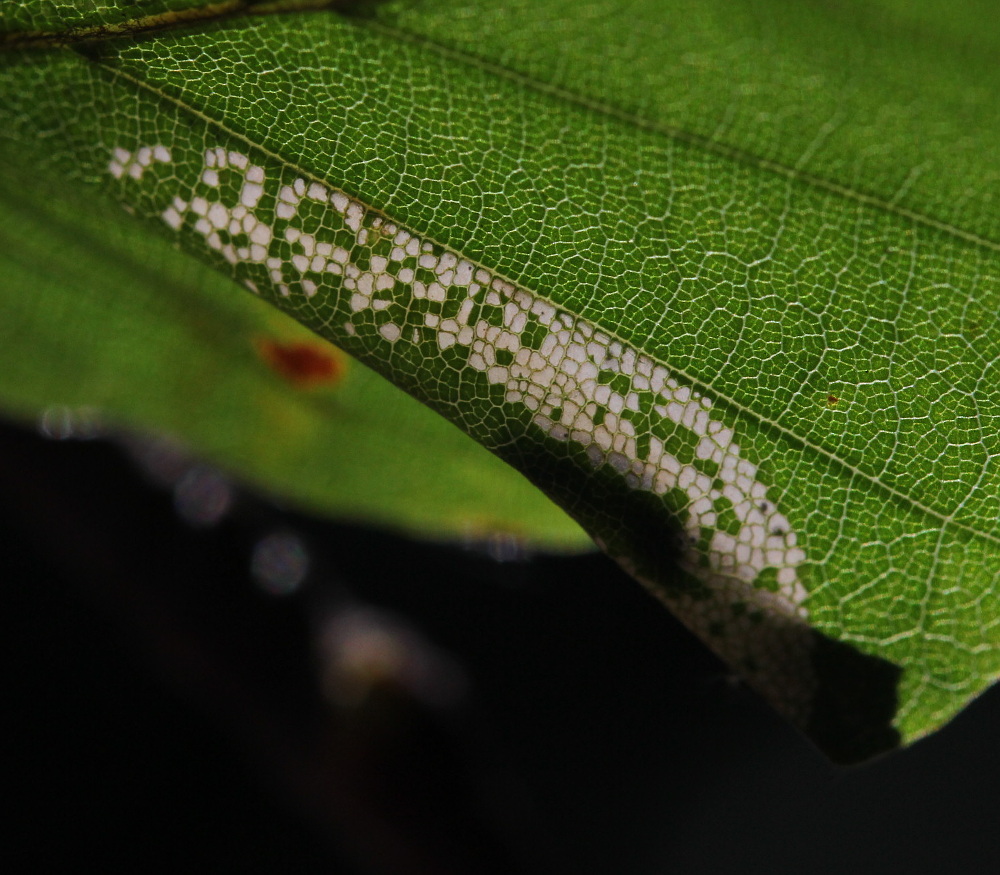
{"points": [[157, 22], [946, 519]]}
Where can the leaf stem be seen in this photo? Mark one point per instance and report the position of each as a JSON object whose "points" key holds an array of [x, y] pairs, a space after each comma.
{"points": [[43, 39]]}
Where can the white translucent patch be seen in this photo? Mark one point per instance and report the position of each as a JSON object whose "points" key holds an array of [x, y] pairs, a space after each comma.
{"points": [[390, 331], [173, 218], [623, 410], [250, 194], [134, 164]]}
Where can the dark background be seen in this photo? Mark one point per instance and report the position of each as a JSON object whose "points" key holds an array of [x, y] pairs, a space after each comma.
{"points": [[164, 713]]}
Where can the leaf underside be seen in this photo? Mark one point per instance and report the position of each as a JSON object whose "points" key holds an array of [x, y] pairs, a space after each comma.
{"points": [[720, 279]]}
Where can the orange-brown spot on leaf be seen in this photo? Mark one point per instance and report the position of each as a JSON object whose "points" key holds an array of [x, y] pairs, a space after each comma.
{"points": [[832, 400], [306, 365]]}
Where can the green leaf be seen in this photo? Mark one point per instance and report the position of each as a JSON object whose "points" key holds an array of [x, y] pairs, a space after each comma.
{"points": [[120, 322], [720, 277]]}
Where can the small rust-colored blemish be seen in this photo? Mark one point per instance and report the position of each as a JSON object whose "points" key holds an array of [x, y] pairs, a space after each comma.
{"points": [[305, 365], [832, 400]]}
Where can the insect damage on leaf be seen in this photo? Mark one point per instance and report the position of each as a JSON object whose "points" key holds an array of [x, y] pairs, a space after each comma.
{"points": [[622, 411], [134, 164]]}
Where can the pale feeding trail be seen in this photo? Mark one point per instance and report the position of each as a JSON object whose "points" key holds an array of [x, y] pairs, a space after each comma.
{"points": [[582, 386]]}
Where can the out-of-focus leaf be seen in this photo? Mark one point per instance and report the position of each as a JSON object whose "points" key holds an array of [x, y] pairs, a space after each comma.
{"points": [[101, 317]]}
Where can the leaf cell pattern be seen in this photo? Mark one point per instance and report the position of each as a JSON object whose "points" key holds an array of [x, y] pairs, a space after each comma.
{"points": [[618, 406]]}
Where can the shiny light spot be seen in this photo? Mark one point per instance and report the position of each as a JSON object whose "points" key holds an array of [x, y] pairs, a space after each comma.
{"points": [[363, 649], [280, 563], [61, 423], [499, 546], [202, 497]]}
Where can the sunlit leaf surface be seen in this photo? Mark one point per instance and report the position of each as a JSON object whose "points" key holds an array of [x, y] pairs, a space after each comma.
{"points": [[720, 277]]}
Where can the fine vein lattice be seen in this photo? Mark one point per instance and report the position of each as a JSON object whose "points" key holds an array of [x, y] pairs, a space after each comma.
{"points": [[626, 412]]}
